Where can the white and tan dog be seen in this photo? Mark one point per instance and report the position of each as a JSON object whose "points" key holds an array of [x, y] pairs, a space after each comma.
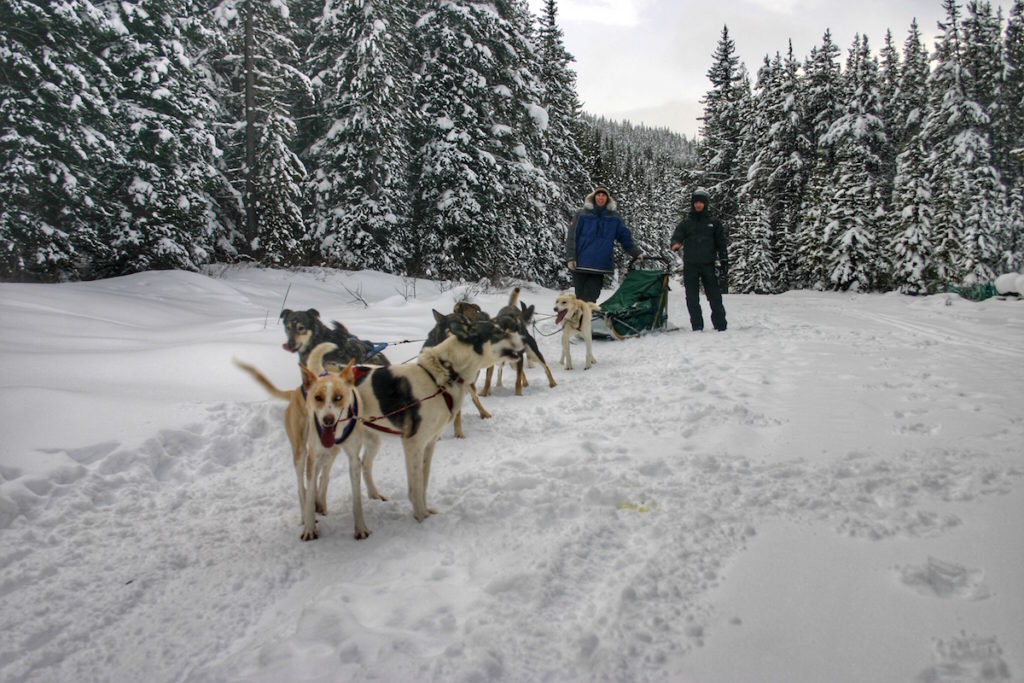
{"points": [[416, 402], [575, 316], [320, 420]]}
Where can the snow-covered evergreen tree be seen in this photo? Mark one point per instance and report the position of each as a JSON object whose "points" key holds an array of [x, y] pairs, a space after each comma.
{"points": [[721, 130], [262, 75], [1009, 124], [968, 196], [910, 247], [567, 169], [279, 194], [757, 207], [479, 188], [889, 77], [165, 114], [855, 205], [752, 266], [57, 133], [910, 223], [776, 142], [823, 103], [360, 65]]}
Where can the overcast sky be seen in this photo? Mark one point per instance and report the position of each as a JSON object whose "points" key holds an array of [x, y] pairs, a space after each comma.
{"points": [[647, 60]]}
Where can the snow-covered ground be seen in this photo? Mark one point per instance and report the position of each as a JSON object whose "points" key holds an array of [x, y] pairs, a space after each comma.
{"points": [[832, 491]]}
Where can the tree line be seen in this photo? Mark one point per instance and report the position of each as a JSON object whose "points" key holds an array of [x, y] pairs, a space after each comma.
{"points": [[445, 139], [901, 171], [435, 138]]}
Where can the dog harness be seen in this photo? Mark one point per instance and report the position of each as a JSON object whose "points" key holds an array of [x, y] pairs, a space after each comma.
{"points": [[375, 349], [441, 391]]}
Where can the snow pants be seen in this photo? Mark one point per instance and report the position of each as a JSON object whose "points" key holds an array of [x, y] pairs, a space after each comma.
{"points": [[694, 274], [588, 285]]}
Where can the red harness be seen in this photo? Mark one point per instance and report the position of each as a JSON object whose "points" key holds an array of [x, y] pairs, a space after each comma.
{"points": [[361, 372]]}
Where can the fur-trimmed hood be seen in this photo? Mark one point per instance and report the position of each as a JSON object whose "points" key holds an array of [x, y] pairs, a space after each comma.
{"points": [[589, 204]]}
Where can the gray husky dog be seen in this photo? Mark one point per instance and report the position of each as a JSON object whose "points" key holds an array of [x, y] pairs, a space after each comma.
{"points": [[305, 331]]}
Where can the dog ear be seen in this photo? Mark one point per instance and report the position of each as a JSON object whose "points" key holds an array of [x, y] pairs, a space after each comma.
{"points": [[313, 312], [284, 312], [438, 315], [308, 378], [346, 373], [527, 312]]}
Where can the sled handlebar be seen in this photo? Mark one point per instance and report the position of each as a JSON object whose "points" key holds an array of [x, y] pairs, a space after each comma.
{"points": [[662, 261]]}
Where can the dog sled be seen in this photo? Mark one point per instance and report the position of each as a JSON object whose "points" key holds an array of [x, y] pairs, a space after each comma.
{"points": [[639, 305]]}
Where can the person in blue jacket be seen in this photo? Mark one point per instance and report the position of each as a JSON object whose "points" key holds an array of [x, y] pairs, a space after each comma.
{"points": [[591, 240]]}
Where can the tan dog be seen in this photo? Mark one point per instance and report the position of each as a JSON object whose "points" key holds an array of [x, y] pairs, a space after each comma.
{"points": [[575, 316], [416, 402], [319, 423]]}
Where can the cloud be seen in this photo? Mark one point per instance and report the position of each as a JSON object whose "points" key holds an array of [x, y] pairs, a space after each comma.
{"points": [[620, 13]]}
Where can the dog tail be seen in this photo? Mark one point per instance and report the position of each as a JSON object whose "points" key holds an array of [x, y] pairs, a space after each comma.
{"points": [[513, 298], [315, 362], [263, 381]]}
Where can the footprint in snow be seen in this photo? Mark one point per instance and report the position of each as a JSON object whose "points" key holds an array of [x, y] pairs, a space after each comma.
{"points": [[966, 658], [945, 580]]}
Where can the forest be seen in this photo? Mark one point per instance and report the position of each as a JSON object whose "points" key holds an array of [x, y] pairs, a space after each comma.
{"points": [[445, 139]]}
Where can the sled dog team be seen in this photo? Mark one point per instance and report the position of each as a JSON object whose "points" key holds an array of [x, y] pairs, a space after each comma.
{"points": [[350, 394]]}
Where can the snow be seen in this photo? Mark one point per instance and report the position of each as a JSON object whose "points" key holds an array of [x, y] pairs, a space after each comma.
{"points": [[830, 491]]}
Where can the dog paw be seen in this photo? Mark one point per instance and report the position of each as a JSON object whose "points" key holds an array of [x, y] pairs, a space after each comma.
{"points": [[362, 534], [310, 535]]}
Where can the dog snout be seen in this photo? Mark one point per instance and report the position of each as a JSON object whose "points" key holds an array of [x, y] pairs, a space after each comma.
{"points": [[329, 420]]}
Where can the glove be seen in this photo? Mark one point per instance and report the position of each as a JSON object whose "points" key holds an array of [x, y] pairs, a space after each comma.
{"points": [[572, 265], [723, 278]]}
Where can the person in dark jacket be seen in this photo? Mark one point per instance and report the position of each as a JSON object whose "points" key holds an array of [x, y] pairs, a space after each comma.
{"points": [[702, 238], [591, 240]]}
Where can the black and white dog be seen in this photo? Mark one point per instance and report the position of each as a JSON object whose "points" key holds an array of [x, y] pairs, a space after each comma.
{"points": [[416, 401], [465, 313], [305, 330]]}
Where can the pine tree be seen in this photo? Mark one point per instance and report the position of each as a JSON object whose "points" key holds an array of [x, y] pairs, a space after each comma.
{"points": [[910, 247], [757, 207], [855, 207], [777, 143], [823, 106], [451, 226], [910, 222], [262, 75], [1009, 123], [165, 113], [567, 166], [57, 131], [721, 128], [361, 154], [968, 197], [279, 192], [752, 267], [529, 200]]}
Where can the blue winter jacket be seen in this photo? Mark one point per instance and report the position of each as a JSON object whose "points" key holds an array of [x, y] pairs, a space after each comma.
{"points": [[592, 237]]}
